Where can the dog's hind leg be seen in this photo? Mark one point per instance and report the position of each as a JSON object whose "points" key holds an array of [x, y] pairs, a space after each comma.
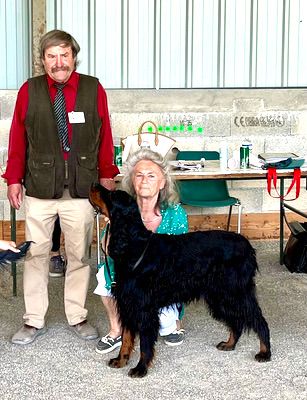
{"points": [[222, 310], [125, 351], [260, 326], [234, 336], [251, 317], [256, 321]]}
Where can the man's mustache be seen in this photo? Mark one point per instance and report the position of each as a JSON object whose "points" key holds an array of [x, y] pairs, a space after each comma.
{"points": [[57, 69]]}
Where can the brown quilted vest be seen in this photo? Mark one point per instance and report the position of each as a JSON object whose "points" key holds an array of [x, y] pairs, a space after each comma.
{"points": [[46, 173]]}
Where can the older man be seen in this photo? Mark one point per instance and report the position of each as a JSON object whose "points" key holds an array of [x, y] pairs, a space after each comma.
{"points": [[60, 142]]}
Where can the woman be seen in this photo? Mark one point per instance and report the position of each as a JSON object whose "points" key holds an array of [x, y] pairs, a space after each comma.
{"points": [[147, 179]]}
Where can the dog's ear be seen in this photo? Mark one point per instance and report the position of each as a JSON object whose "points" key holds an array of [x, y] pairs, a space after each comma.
{"points": [[100, 199]]}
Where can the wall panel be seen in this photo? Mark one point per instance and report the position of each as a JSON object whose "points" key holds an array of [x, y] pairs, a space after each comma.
{"points": [[168, 43], [14, 42]]}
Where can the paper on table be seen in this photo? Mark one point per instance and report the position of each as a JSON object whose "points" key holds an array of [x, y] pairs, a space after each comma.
{"points": [[255, 161], [276, 157]]}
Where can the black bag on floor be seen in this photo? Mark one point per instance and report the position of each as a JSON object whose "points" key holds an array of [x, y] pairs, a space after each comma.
{"points": [[295, 254]]}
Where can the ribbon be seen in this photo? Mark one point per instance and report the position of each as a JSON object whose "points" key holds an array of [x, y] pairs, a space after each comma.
{"points": [[296, 181]]}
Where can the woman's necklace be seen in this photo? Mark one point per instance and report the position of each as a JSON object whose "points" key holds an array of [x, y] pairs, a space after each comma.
{"points": [[151, 220]]}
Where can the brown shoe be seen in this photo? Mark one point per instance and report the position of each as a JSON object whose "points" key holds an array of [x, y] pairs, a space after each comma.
{"points": [[27, 334], [85, 331]]}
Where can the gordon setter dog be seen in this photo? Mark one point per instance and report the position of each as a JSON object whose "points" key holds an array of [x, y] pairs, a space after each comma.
{"points": [[8, 256], [157, 270]]}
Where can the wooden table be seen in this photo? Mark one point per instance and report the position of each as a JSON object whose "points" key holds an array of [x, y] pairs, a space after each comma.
{"points": [[211, 170]]}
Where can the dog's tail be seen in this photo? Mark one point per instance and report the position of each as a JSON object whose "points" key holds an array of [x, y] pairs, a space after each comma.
{"points": [[9, 256]]}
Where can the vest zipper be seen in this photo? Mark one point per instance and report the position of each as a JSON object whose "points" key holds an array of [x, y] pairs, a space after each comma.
{"points": [[66, 172]]}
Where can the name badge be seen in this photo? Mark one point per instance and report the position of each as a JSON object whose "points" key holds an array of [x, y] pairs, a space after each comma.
{"points": [[76, 117]]}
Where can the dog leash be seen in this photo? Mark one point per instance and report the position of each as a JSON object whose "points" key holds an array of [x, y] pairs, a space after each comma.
{"points": [[143, 254], [113, 283], [97, 237], [137, 263]]}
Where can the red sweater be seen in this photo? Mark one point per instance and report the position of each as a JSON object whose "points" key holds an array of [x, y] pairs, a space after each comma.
{"points": [[15, 168]]}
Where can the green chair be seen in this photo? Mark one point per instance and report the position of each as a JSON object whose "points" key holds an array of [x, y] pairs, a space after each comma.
{"points": [[206, 192]]}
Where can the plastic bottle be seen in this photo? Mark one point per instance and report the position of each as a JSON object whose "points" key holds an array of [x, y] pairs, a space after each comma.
{"points": [[248, 143], [245, 151], [224, 155], [118, 152]]}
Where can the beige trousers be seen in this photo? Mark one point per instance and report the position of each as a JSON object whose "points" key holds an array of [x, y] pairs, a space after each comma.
{"points": [[76, 219]]}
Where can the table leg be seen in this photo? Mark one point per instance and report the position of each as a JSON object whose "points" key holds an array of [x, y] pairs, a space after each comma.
{"points": [[281, 222], [13, 237]]}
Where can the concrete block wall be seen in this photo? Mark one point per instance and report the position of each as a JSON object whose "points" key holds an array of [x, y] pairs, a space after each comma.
{"points": [[272, 119]]}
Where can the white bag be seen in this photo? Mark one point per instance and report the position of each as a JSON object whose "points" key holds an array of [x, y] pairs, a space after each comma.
{"points": [[152, 140]]}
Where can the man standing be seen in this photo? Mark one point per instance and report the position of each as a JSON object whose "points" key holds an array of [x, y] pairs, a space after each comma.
{"points": [[60, 142]]}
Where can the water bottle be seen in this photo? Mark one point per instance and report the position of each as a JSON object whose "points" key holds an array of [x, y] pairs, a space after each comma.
{"points": [[248, 143], [223, 155], [118, 151], [245, 151], [244, 155]]}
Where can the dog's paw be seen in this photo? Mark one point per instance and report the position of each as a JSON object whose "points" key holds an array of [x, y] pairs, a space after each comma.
{"points": [[138, 372], [224, 346], [117, 362], [263, 356]]}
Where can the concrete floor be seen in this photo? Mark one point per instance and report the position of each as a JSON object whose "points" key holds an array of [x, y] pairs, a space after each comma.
{"points": [[58, 365]]}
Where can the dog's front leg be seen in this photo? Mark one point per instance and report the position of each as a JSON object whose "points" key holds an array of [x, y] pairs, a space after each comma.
{"points": [[145, 360], [148, 337], [125, 351]]}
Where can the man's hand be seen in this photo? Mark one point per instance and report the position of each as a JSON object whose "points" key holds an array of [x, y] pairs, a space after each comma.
{"points": [[15, 195], [108, 183]]}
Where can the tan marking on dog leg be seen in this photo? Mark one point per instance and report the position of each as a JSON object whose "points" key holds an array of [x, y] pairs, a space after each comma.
{"points": [[229, 345], [263, 347], [264, 354], [125, 351]]}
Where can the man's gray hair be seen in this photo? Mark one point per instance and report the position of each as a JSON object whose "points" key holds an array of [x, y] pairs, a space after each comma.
{"points": [[59, 38], [168, 195]]}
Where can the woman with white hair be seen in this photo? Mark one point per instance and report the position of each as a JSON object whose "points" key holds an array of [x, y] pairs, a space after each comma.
{"points": [[148, 180]]}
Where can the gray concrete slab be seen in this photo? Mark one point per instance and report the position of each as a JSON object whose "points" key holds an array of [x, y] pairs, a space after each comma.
{"points": [[59, 365]]}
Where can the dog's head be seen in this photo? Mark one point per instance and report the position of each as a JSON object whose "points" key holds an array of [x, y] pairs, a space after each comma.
{"points": [[122, 211], [100, 199], [107, 202]]}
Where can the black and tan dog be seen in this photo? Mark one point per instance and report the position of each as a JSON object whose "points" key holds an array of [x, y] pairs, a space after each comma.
{"points": [[156, 270]]}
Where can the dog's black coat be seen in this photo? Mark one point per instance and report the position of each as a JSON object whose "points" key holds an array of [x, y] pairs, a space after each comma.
{"points": [[8, 256], [156, 270]]}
